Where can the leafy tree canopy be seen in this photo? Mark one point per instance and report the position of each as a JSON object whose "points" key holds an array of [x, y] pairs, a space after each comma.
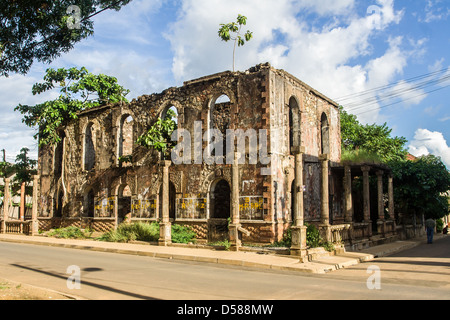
{"points": [[24, 167], [232, 31], [42, 29], [79, 90], [371, 139], [421, 186], [159, 136]]}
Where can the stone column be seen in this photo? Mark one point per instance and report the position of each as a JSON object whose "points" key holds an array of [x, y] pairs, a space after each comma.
{"points": [[6, 199], [165, 228], [366, 195], [23, 197], [235, 219], [349, 212], [381, 220], [298, 230], [34, 212], [325, 205], [391, 200], [116, 209]]}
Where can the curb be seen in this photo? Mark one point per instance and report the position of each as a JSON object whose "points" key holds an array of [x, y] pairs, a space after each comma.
{"points": [[309, 267]]}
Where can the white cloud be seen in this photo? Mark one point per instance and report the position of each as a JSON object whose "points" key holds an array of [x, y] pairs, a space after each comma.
{"points": [[323, 57], [427, 142]]}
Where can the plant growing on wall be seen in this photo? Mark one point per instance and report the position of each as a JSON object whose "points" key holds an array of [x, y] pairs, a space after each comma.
{"points": [[232, 31], [159, 136], [79, 90]]}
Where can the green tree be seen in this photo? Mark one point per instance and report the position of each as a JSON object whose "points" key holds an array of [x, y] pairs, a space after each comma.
{"points": [[232, 31], [421, 186], [24, 167], [159, 136], [371, 140], [79, 90], [40, 30]]}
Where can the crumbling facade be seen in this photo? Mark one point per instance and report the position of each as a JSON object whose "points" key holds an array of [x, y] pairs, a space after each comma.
{"points": [[97, 176]]}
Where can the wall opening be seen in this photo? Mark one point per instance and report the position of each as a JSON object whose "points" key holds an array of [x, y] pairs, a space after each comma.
{"points": [[294, 126], [59, 156], [90, 204], [125, 143], [172, 201], [124, 204], [325, 134], [58, 207], [89, 150], [220, 200], [219, 119]]}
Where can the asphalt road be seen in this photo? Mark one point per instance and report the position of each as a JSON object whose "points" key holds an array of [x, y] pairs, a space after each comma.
{"points": [[419, 273]]}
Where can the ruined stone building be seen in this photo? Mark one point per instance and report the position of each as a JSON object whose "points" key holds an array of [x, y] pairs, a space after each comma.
{"points": [[97, 176]]}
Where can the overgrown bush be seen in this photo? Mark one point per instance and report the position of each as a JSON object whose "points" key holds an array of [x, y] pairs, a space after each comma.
{"points": [[130, 232], [149, 232], [313, 239], [70, 233], [183, 234]]}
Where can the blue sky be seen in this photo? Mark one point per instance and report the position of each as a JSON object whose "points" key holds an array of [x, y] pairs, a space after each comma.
{"points": [[339, 47]]}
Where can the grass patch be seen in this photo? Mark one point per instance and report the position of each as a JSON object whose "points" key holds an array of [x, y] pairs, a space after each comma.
{"points": [[148, 232], [70, 233], [360, 156]]}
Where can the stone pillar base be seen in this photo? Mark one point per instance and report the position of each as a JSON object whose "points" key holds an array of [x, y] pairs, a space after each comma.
{"points": [[381, 229], [298, 245], [165, 234], [34, 228], [325, 232], [235, 241]]}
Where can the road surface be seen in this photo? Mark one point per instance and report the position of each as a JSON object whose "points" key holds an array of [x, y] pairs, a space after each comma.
{"points": [[419, 273]]}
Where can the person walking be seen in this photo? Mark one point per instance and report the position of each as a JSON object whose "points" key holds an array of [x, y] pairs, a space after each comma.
{"points": [[430, 224]]}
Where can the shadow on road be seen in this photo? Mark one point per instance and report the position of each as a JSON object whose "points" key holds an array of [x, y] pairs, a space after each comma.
{"points": [[92, 284]]}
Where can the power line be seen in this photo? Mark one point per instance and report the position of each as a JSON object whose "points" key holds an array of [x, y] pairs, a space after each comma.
{"points": [[423, 94], [366, 92], [408, 86], [395, 94]]}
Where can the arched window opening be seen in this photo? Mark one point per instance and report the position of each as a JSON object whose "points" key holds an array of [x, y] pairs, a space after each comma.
{"points": [[89, 150], [294, 126], [173, 110], [59, 156], [219, 119], [125, 143], [325, 134]]}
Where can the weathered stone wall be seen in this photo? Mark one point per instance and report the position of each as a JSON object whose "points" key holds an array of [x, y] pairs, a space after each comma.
{"points": [[260, 98]]}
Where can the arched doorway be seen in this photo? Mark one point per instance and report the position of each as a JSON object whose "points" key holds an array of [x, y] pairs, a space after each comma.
{"points": [[124, 203], [219, 210]]}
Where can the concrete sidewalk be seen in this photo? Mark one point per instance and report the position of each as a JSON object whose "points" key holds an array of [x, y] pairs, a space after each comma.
{"points": [[253, 259]]}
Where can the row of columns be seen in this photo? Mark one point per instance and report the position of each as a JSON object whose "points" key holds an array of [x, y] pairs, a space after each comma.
{"points": [[349, 211], [298, 229], [34, 213]]}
